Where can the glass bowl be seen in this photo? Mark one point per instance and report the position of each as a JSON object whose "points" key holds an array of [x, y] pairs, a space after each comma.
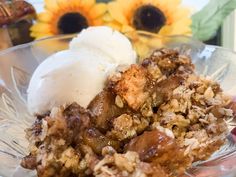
{"points": [[18, 63]]}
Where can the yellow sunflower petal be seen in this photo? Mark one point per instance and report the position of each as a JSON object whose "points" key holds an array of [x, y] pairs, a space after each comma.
{"points": [[115, 25], [142, 49], [150, 2], [127, 28], [64, 3], [40, 35], [155, 43], [51, 5], [107, 17], [87, 3], [117, 13], [182, 13], [169, 3], [76, 4], [163, 4], [98, 10], [41, 27], [97, 22], [45, 16], [166, 31], [128, 5], [175, 3], [181, 27]]}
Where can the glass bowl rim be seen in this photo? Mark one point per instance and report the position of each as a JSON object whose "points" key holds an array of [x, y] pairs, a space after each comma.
{"points": [[70, 36], [67, 36]]}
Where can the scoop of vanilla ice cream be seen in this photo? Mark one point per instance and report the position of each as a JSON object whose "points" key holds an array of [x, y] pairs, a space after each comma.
{"points": [[78, 74], [67, 77], [106, 41]]}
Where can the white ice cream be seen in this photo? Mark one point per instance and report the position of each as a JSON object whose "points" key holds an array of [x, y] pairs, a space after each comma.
{"points": [[105, 41], [78, 74]]}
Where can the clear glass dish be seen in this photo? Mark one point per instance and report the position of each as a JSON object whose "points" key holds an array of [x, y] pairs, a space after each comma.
{"points": [[18, 63]]}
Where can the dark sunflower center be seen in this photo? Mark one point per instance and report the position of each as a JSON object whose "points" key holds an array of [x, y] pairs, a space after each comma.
{"points": [[149, 18], [72, 23]]}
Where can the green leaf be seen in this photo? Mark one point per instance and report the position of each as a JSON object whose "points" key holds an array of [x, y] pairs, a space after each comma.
{"points": [[206, 22]]}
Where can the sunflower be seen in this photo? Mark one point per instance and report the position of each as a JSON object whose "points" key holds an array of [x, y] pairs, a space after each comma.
{"points": [[67, 16], [165, 17]]}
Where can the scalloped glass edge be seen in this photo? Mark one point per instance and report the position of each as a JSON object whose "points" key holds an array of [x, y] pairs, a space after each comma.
{"points": [[14, 118]]}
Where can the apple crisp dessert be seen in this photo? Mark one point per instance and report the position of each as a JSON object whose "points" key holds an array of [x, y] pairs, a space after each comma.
{"points": [[153, 119]]}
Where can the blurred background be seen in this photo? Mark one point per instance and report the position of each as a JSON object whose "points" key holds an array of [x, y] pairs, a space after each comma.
{"points": [[224, 35]]}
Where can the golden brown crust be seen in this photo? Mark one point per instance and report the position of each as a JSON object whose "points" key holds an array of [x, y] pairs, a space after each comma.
{"points": [[145, 116], [131, 86]]}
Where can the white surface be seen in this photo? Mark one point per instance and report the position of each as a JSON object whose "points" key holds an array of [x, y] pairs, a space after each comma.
{"points": [[38, 4], [78, 74], [195, 5]]}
